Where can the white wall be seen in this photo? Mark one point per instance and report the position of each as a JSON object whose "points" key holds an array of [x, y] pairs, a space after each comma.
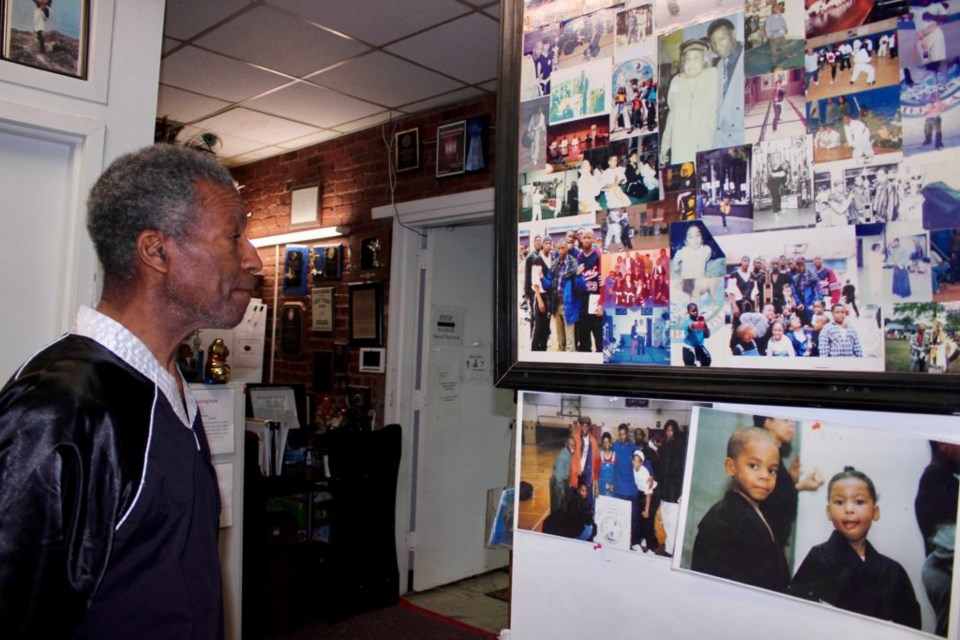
{"points": [[70, 129], [568, 589]]}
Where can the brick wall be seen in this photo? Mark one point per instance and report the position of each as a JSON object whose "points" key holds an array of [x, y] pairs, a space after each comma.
{"points": [[351, 172]]}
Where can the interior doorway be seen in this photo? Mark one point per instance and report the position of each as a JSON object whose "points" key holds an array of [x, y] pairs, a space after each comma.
{"points": [[458, 431]]}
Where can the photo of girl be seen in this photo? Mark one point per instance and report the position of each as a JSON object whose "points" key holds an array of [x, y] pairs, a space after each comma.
{"points": [[810, 495]]}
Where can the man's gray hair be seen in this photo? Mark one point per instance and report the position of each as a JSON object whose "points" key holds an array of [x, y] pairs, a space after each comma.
{"points": [[153, 188]]}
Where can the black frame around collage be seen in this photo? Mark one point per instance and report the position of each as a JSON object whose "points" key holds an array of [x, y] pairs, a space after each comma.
{"points": [[904, 392]]}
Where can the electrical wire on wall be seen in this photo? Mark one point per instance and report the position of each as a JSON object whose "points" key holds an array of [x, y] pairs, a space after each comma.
{"points": [[389, 141]]}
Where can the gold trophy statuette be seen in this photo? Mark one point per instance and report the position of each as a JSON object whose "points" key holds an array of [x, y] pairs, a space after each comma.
{"points": [[217, 371]]}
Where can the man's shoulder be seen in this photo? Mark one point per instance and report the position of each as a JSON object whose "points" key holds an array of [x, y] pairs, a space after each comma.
{"points": [[73, 376]]}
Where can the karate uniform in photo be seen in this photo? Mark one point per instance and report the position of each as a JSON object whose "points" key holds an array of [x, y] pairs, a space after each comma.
{"points": [[862, 63], [858, 137]]}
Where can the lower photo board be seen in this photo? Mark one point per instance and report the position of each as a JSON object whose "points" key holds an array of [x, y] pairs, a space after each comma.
{"points": [[837, 518]]}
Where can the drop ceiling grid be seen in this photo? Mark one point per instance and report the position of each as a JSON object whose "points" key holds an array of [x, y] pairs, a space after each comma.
{"points": [[231, 66]]}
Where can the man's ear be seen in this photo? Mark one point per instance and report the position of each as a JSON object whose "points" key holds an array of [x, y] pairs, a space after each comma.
{"points": [[151, 251]]}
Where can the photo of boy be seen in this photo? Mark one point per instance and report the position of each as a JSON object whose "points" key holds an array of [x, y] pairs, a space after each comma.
{"points": [[734, 540], [759, 499], [846, 571]]}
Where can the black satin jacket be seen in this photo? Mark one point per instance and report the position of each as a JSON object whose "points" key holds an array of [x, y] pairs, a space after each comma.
{"points": [[85, 550]]}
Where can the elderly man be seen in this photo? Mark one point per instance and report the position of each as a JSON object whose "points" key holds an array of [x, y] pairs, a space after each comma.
{"points": [[109, 504], [730, 83]]}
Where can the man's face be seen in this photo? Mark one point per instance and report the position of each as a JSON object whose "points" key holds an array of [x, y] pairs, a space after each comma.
{"points": [[537, 244], [547, 246], [722, 42], [562, 249], [209, 279], [745, 263], [839, 314], [818, 263], [571, 445], [622, 435], [587, 241]]}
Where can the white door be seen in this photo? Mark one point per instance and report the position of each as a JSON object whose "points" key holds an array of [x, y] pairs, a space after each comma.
{"points": [[464, 430]]}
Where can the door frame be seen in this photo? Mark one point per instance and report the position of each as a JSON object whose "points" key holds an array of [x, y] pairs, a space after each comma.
{"points": [[403, 331]]}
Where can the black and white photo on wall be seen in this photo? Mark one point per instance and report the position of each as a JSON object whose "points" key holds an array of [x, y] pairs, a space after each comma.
{"points": [[295, 266], [46, 35]]}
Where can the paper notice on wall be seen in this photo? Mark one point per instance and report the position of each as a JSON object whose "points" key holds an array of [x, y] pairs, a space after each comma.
{"points": [[446, 325], [216, 411], [448, 387], [476, 363]]}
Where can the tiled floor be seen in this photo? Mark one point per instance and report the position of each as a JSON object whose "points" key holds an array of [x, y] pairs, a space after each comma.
{"points": [[467, 601]]}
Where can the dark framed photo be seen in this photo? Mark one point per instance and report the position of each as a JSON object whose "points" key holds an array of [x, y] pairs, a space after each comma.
{"points": [[326, 262], [406, 150], [366, 314], [292, 329], [47, 36], [371, 253], [451, 148]]}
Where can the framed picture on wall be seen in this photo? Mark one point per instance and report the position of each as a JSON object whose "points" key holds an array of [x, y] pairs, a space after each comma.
{"points": [[326, 262], [323, 309], [825, 240], [295, 270], [406, 150], [47, 36], [451, 148], [366, 314], [292, 329]]}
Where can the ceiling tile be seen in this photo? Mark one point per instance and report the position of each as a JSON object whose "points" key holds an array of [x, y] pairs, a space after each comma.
{"points": [[312, 104], [466, 48], [258, 154], [386, 80], [230, 145], [186, 18], [183, 106], [375, 21], [450, 98], [258, 127], [216, 76], [305, 141], [294, 46], [169, 44], [366, 123]]}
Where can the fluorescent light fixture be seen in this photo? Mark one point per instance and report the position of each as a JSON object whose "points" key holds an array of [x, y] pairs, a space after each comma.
{"points": [[299, 236]]}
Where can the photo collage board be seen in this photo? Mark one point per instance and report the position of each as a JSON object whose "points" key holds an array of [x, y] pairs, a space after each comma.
{"points": [[804, 503], [763, 184]]}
